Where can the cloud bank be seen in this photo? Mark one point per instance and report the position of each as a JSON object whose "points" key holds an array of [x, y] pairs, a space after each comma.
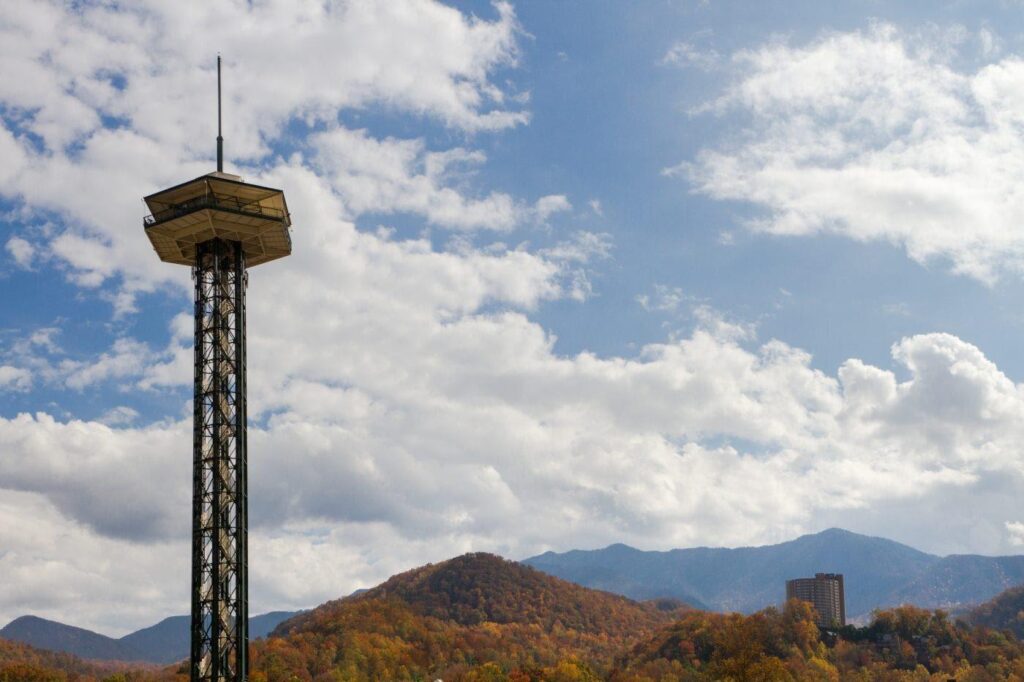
{"points": [[406, 404], [881, 134]]}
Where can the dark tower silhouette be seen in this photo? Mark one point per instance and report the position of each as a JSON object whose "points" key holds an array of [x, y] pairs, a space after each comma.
{"points": [[219, 226]]}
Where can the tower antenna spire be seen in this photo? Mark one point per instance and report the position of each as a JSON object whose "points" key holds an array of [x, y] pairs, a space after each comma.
{"points": [[220, 138]]}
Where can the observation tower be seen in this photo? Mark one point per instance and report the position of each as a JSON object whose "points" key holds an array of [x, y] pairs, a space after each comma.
{"points": [[219, 226]]}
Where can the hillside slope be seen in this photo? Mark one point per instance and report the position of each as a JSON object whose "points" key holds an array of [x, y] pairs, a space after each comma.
{"points": [[878, 573], [168, 641], [905, 643], [962, 579], [1004, 612], [53, 636], [163, 643], [20, 662], [445, 619]]}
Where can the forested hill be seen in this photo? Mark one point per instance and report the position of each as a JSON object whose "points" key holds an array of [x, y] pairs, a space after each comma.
{"points": [[878, 572], [1004, 612], [901, 644], [23, 663], [479, 588], [445, 619]]}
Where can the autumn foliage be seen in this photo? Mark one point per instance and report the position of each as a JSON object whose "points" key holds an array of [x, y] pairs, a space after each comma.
{"points": [[475, 617], [479, 618], [1006, 611], [22, 663], [902, 644]]}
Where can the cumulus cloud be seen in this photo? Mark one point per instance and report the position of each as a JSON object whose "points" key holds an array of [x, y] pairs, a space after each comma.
{"points": [[22, 251], [127, 358], [119, 416], [474, 432], [108, 99], [137, 63], [57, 568], [121, 483], [1015, 529], [405, 407], [401, 175], [401, 398], [876, 135], [391, 175], [550, 205], [15, 378]]}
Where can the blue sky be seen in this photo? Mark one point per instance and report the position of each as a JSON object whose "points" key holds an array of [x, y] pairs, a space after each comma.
{"points": [[565, 274]]}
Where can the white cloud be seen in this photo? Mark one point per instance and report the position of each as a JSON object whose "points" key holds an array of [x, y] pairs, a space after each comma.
{"points": [[119, 416], [391, 175], [404, 405], [174, 368], [549, 205], [405, 408], [582, 247], [121, 483], [875, 135], [150, 64], [666, 299], [475, 433], [991, 44], [57, 568], [400, 175], [722, 326], [127, 358], [685, 54], [1015, 529], [22, 251], [15, 378], [127, 362], [69, 72]]}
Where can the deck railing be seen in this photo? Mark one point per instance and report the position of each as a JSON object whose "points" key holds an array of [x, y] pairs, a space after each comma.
{"points": [[223, 202]]}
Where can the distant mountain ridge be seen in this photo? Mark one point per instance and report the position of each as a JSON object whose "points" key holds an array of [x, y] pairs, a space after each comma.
{"points": [[163, 643], [53, 636], [878, 573]]}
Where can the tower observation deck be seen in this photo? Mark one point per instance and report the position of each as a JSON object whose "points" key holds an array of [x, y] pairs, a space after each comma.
{"points": [[219, 226]]}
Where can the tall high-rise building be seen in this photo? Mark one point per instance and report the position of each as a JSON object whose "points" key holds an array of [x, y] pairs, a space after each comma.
{"points": [[219, 226], [825, 592]]}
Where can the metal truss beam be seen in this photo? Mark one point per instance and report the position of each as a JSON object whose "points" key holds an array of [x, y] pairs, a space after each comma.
{"points": [[220, 609]]}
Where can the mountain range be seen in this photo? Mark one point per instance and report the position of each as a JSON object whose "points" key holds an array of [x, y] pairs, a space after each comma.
{"points": [[877, 573], [165, 642], [480, 618]]}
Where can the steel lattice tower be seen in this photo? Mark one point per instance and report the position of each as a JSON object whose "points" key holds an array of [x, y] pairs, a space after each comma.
{"points": [[219, 226]]}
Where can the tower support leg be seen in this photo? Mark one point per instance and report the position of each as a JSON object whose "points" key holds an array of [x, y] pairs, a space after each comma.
{"points": [[220, 609]]}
